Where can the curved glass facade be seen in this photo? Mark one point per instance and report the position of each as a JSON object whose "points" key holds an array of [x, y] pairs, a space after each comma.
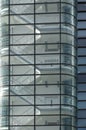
{"points": [[38, 65]]}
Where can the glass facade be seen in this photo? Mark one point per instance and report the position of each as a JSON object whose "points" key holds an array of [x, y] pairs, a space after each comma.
{"points": [[38, 65]]}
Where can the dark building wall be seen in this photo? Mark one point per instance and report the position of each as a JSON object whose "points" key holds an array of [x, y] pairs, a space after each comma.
{"points": [[81, 64]]}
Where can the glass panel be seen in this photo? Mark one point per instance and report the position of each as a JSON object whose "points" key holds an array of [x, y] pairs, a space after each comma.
{"points": [[21, 9], [48, 38], [82, 96], [68, 80], [82, 42], [81, 60], [67, 100], [21, 127], [81, 24], [48, 59], [4, 2], [48, 68], [49, 79], [48, 120], [48, 48], [69, 29], [4, 20], [48, 127], [23, 49], [4, 30], [67, 19], [43, 1], [81, 7], [19, 19], [48, 18], [81, 16], [82, 87], [81, 51], [22, 80], [82, 33], [82, 122], [69, 1], [68, 69], [22, 59], [47, 89], [48, 28], [20, 2], [81, 113], [68, 59], [81, 69], [22, 39], [21, 100], [22, 89], [66, 48], [21, 110], [81, 128], [81, 0], [49, 100], [4, 122], [65, 38], [67, 8], [68, 128], [4, 81], [82, 105], [68, 110], [22, 120], [4, 71], [21, 70], [18, 29], [46, 7], [68, 90], [66, 120], [82, 78], [4, 42]]}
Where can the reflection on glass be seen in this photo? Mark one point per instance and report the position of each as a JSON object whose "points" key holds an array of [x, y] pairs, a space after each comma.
{"points": [[38, 65], [48, 120]]}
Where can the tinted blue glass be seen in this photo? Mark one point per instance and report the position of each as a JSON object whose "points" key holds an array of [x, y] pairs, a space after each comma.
{"points": [[81, 113], [82, 105], [82, 96], [81, 24], [81, 60], [81, 16], [82, 87], [82, 122], [81, 69]]}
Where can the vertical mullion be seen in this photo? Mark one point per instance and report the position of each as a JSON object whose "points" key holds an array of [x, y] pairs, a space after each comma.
{"points": [[34, 73], [60, 63], [9, 66]]}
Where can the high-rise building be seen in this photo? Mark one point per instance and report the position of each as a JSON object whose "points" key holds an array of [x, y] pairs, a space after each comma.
{"points": [[81, 64], [38, 64]]}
